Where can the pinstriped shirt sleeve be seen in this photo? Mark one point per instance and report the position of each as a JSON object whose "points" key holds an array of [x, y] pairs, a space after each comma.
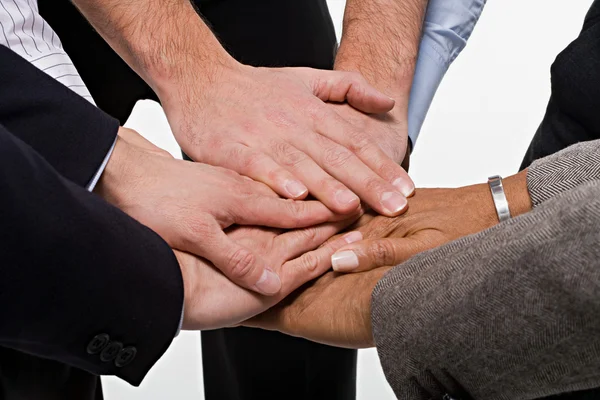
{"points": [[447, 27], [25, 32]]}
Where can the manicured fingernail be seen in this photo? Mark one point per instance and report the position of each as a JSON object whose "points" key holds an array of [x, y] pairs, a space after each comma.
{"points": [[295, 188], [346, 197], [269, 283], [393, 202], [352, 237], [405, 187], [344, 261]]}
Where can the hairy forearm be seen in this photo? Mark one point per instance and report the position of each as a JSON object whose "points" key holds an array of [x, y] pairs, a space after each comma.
{"points": [[381, 40], [162, 40]]}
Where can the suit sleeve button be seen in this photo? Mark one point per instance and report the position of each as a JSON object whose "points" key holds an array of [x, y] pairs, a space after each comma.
{"points": [[125, 356], [98, 343], [111, 351]]}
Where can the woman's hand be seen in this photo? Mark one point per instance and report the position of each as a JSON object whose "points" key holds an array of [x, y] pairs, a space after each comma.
{"points": [[335, 310], [434, 217]]}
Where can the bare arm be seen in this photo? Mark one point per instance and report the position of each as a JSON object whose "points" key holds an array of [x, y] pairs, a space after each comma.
{"points": [[266, 123], [381, 41], [161, 40]]}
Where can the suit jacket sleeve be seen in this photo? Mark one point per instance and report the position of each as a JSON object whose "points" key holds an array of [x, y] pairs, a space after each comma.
{"points": [[68, 131], [74, 267], [511, 312]]}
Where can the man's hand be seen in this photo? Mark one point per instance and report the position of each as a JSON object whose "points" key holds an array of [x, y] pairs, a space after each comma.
{"points": [[435, 217], [334, 310], [274, 126], [189, 205], [389, 131], [213, 301]]}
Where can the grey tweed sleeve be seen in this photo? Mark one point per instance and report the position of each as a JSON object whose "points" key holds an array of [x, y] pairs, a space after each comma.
{"points": [[563, 171], [509, 313]]}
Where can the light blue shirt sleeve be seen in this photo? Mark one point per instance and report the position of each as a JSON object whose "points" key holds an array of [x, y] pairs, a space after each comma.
{"points": [[447, 27]]}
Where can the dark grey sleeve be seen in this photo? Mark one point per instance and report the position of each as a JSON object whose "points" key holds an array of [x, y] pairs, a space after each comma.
{"points": [[510, 313]]}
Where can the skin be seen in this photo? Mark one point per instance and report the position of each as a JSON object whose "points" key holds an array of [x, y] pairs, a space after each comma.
{"points": [[190, 205], [336, 308], [270, 124], [381, 41], [213, 301]]}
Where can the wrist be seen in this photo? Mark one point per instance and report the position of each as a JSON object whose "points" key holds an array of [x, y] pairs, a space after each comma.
{"points": [[391, 74], [115, 170], [124, 168], [175, 80], [517, 197], [517, 194]]}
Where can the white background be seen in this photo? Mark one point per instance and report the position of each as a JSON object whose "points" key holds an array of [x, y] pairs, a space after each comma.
{"points": [[480, 124]]}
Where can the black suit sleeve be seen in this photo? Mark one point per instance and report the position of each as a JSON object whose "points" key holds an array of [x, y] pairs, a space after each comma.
{"points": [[67, 130], [72, 267]]}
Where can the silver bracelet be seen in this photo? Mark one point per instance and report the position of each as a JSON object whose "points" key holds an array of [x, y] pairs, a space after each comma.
{"points": [[499, 197]]}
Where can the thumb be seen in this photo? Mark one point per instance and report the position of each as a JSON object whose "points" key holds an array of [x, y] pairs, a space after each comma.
{"points": [[340, 86], [374, 253], [241, 265]]}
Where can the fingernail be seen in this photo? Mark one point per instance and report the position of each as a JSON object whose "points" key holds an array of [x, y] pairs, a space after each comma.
{"points": [[352, 237], [269, 283], [295, 188], [345, 197], [405, 187], [344, 261], [393, 202]]}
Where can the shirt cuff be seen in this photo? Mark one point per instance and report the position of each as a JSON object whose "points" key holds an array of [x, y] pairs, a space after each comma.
{"points": [[98, 174], [180, 321], [429, 72], [447, 27]]}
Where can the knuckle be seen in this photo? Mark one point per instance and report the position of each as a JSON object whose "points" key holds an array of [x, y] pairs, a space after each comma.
{"points": [[379, 252], [310, 234], [288, 155], [337, 156], [241, 263], [250, 161], [309, 262], [198, 227], [373, 185], [360, 143], [387, 169], [296, 211]]}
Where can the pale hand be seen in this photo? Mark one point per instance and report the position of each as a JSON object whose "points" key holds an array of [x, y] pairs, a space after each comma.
{"points": [[274, 125], [213, 301], [190, 204], [435, 217]]}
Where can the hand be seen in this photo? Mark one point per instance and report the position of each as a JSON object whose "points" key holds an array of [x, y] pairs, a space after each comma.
{"points": [[435, 217], [273, 126], [189, 205], [213, 301], [335, 310], [389, 131]]}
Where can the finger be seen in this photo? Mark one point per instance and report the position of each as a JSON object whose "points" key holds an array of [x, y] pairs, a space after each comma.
{"points": [[347, 168], [374, 253], [336, 196], [260, 167], [340, 86], [368, 151], [313, 264], [294, 243], [238, 263], [282, 213]]}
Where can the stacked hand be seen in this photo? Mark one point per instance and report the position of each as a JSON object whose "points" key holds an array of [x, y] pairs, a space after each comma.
{"points": [[274, 126], [189, 205], [336, 308], [213, 301]]}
